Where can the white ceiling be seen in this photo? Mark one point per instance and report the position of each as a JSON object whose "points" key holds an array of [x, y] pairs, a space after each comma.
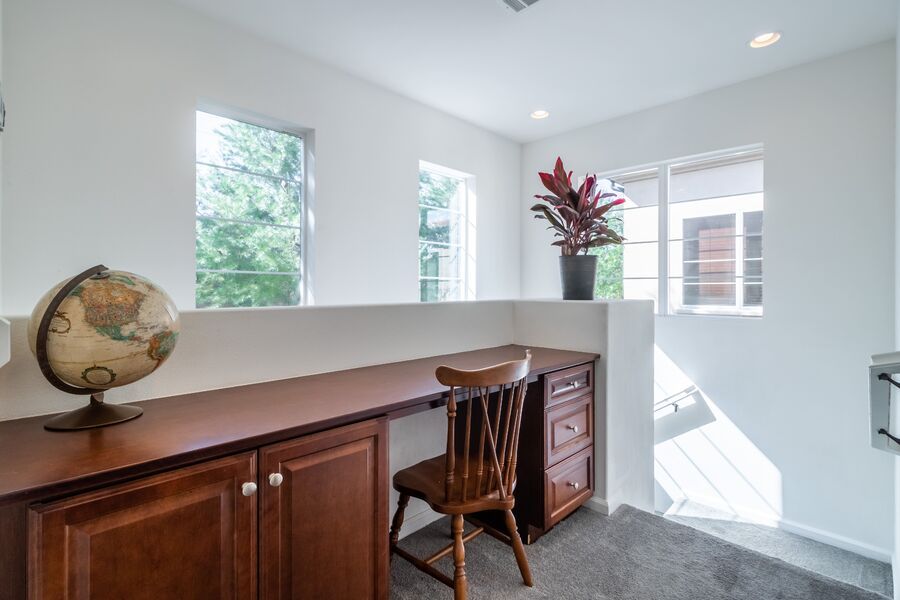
{"points": [[583, 60]]}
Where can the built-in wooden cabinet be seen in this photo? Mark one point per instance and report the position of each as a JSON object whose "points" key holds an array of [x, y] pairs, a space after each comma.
{"points": [[188, 534], [315, 514], [271, 490], [324, 515]]}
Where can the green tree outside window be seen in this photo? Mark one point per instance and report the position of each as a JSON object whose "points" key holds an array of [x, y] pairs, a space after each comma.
{"points": [[249, 215]]}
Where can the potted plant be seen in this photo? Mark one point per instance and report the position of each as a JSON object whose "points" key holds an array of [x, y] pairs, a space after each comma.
{"points": [[579, 218]]}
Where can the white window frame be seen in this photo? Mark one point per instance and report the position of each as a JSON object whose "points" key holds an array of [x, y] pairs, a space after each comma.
{"points": [[467, 274], [663, 172], [307, 195]]}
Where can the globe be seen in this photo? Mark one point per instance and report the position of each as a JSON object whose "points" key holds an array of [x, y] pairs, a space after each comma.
{"points": [[113, 328]]}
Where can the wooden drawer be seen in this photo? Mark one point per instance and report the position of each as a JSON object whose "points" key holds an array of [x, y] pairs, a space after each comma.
{"points": [[569, 429], [568, 384], [568, 485]]}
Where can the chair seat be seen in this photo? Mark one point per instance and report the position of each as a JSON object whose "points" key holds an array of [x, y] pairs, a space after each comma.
{"points": [[426, 481]]}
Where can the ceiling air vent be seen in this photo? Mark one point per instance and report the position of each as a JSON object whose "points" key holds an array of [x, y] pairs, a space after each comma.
{"points": [[518, 5]]}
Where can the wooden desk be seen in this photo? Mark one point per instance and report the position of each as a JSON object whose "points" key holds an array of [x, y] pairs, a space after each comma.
{"points": [[224, 428]]}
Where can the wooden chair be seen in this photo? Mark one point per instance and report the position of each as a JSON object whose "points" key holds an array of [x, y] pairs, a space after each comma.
{"points": [[478, 471]]}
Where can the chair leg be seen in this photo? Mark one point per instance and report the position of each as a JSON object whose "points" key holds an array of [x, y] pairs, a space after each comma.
{"points": [[460, 587], [397, 523], [518, 548]]}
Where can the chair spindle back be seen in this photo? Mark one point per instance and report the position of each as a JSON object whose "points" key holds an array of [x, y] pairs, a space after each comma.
{"points": [[488, 431]]}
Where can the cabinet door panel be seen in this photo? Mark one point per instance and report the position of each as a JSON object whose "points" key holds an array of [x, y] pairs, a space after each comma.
{"points": [[324, 528], [187, 534]]}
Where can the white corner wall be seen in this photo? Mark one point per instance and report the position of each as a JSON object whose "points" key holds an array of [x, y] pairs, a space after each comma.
{"points": [[788, 390], [6, 339], [896, 554], [99, 154], [622, 333], [4, 324]]}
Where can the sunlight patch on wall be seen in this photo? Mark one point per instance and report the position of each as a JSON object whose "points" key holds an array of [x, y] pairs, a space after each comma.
{"points": [[703, 458]]}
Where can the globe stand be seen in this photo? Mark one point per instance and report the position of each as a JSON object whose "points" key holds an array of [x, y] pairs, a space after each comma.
{"points": [[97, 413]]}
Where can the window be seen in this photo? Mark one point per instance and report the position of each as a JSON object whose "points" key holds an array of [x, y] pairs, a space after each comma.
{"points": [[249, 215], [710, 212], [446, 234], [632, 269]]}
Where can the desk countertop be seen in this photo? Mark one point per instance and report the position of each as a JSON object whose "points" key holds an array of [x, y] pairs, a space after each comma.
{"points": [[183, 429]]}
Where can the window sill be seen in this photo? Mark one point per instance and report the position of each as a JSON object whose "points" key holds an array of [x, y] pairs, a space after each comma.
{"points": [[713, 315]]}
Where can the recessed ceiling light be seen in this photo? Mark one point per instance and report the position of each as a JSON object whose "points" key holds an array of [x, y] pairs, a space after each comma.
{"points": [[540, 114], [765, 39]]}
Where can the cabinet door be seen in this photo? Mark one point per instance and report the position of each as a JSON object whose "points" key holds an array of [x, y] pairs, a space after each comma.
{"points": [[324, 526], [187, 534]]}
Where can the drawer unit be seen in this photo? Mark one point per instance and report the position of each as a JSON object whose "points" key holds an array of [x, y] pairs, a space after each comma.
{"points": [[568, 485], [569, 429], [555, 472], [568, 384]]}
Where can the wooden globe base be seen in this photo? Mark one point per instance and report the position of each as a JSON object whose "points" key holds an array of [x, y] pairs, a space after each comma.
{"points": [[95, 414]]}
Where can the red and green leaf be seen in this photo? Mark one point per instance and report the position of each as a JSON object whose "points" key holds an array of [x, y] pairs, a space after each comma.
{"points": [[577, 216]]}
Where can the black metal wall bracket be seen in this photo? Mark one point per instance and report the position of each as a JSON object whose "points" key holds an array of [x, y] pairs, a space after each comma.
{"points": [[889, 379], [894, 439], [893, 382]]}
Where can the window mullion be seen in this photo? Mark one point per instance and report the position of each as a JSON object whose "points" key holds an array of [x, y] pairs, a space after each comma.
{"points": [[663, 236], [739, 260]]}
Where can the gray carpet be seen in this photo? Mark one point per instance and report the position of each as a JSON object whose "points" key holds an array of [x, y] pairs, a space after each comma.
{"points": [[630, 555], [815, 556]]}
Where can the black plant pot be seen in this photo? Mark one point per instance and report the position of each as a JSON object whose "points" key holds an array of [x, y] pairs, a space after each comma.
{"points": [[578, 274]]}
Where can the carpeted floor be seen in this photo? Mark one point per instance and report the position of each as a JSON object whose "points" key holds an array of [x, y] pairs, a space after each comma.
{"points": [[630, 555], [800, 551]]}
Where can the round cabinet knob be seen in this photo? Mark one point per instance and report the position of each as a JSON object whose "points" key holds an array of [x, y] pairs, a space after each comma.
{"points": [[574, 484], [276, 479], [248, 489], [574, 428]]}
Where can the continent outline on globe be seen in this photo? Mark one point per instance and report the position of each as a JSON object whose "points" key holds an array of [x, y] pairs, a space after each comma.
{"points": [[112, 329]]}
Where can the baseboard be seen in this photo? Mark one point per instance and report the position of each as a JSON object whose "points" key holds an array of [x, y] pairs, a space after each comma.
{"points": [[413, 523], [598, 504], [833, 539], [813, 533]]}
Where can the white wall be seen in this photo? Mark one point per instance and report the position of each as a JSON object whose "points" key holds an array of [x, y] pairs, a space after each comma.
{"points": [[789, 390], [218, 349], [622, 333], [3, 339], [99, 157], [896, 555]]}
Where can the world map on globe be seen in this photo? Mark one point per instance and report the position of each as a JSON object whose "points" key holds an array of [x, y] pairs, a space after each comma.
{"points": [[112, 329]]}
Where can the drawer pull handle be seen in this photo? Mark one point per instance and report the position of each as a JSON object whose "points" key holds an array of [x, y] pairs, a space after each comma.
{"points": [[574, 428], [248, 489], [276, 479], [572, 386], [574, 484]]}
